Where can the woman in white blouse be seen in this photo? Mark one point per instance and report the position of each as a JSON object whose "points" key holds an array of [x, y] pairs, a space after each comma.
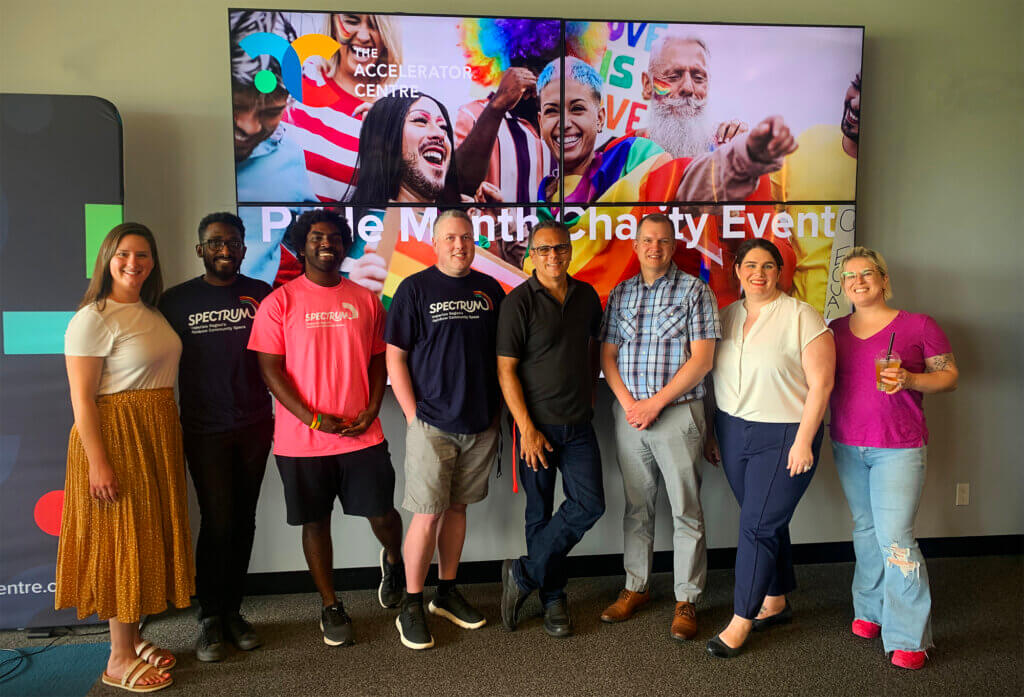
{"points": [[125, 547], [773, 375]]}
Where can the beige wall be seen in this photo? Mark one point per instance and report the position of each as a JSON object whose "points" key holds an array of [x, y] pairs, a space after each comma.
{"points": [[940, 184]]}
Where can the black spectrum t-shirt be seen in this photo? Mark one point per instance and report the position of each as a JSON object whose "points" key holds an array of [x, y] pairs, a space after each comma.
{"points": [[219, 383], [448, 326]]}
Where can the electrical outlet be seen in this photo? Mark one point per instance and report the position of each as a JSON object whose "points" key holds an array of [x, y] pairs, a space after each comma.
{"points": [[963, 494]]}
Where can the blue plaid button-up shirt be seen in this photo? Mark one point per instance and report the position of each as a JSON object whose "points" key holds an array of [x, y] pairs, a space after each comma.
{"points": [[653, 327]]}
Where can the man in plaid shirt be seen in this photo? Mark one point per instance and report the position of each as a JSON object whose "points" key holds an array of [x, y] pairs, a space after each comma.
{"points": [[658, 336]]}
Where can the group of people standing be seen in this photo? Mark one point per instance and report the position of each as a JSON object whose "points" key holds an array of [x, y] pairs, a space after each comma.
{"points": [[748, 389]]}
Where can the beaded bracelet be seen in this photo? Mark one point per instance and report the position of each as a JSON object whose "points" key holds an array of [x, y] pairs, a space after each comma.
{"points": [[314, 425]]}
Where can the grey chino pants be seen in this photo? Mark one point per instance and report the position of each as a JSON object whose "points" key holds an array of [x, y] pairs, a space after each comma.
{"points": [[669, 451]]}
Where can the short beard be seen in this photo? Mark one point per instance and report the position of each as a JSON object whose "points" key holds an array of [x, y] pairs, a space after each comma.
{"points": [[415, 181], [224, 276], [680, 125]]}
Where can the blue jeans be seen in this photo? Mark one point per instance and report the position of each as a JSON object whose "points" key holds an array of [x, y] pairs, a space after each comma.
{"points": [[754, 457], [550, 538], [890, 582]]}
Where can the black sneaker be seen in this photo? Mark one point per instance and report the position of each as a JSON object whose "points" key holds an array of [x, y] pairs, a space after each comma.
{"points": [[336, 626], [512, 597], [412, 626], [210, 642], [456, 608], [557, 622], [392, 582], [240, 633]]}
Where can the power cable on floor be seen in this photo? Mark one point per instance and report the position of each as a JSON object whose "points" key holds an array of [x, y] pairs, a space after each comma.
{"points": [[20, 654]]}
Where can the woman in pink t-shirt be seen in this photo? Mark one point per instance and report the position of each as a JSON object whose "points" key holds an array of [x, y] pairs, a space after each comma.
{"points": [[879, 439]]}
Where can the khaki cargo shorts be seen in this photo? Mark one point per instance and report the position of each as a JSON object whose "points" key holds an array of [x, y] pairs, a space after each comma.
{"points": [[443, 468]]}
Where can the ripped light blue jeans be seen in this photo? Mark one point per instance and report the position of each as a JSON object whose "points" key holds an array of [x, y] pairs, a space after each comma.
{"points": [[890, 583]]}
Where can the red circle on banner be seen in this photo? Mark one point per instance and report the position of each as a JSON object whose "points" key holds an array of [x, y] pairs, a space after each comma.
{"points": [[48, 511]]}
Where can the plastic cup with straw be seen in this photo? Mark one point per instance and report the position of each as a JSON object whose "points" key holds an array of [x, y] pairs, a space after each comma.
{"points": [[886, 359]]}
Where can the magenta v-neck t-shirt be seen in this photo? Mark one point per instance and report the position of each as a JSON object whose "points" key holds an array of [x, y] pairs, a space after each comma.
{"points": [[861, 414]]}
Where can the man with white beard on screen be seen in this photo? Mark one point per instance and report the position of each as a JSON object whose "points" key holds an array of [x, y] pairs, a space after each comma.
{"points": [[675, 86]]}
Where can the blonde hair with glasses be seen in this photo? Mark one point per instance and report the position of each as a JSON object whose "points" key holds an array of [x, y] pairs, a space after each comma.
{"points": [[875, 258]]}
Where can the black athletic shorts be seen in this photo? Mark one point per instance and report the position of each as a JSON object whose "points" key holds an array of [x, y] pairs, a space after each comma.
{"points": [[363, 480]]}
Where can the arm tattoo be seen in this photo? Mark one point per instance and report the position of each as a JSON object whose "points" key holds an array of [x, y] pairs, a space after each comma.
{"points": [[934, 364]]}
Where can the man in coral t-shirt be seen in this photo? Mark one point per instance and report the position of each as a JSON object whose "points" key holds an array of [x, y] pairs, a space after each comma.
{"points": [[320, 340]]}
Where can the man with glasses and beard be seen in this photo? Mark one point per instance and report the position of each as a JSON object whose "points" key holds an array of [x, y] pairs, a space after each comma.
{"points": [[227, 422]]}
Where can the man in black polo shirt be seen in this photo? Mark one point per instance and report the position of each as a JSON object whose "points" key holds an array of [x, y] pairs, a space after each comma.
{"points": [[547, 366], [228, 425]]}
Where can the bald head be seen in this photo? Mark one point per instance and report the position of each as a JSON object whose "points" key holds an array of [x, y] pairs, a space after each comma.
{"points": [[672, 40]]}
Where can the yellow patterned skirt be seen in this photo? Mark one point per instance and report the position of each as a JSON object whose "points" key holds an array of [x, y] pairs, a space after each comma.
{"points": [[134, 556]]}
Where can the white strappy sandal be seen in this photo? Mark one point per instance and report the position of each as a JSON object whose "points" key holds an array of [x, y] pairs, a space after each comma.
{"points": [[147, 649], [135, 672]]}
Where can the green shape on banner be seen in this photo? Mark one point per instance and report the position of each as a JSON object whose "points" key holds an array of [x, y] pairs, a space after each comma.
{"points": [[265, 81], [99, 219], [35, 333]]}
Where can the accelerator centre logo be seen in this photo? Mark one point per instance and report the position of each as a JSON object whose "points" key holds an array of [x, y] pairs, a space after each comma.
{"points": [[291, 56]]}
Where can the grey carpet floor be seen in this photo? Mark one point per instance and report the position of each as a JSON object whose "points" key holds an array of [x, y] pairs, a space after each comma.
{"points": [[978, 630]]}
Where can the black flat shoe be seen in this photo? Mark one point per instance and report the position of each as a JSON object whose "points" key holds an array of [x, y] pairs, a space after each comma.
{"points": [[783, 617], [719, 649]]}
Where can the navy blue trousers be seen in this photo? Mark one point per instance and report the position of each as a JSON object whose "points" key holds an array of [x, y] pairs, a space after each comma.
{"points": [[754, 457], [550, 537]]}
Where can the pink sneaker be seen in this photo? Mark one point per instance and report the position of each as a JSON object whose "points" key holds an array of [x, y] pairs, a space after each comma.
{"points": [[868, 630], [911, 660]]}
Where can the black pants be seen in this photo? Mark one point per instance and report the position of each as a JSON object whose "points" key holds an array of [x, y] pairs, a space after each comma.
{"points": [[227, 471]]}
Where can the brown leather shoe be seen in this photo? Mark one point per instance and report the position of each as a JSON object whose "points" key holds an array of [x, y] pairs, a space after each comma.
{"points": [[626, 605], [684, 622]]}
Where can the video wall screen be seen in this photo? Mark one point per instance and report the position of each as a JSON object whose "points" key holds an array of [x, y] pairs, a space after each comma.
{"points": [[732, 130]]}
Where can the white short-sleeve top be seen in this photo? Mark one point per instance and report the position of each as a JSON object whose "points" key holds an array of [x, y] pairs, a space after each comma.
{"points": [[761, 378], [140, 348]]}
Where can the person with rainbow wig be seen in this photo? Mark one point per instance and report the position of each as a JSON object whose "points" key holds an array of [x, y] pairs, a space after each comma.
{"points": [[497, 137], [630, 170]]}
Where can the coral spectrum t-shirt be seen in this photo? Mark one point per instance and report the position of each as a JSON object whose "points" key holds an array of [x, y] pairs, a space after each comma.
{"points": [[327, 337], [862, 415]]}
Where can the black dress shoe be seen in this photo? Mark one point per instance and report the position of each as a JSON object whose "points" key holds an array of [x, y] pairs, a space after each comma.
{"points": [[783, 617], [240, 633], [719, 649], [512, 597], [557, 622]]}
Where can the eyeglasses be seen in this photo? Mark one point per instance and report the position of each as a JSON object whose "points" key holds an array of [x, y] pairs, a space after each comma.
{"points": [[217, 245], [559, 249], [866, 274]]}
